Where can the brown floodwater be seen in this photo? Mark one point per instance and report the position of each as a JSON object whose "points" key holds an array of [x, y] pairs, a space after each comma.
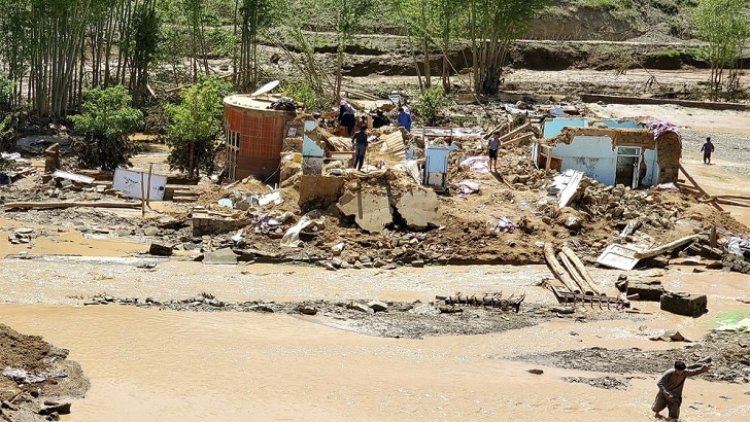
{"points": [[150, 365]]}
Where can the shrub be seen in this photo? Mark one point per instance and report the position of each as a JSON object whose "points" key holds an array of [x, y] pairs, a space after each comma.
{"points": [[106, 122], [431, 104]]}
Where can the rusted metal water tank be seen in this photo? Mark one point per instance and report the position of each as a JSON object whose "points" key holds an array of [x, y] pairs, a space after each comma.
{"points": [[255, 136]]}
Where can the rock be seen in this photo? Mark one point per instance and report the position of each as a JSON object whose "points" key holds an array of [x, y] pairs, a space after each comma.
{"points": [[391, 266], [646, 290], [673, 335], [684, 304], [535, 371], [220, 257], [7, 405], [337, 262], [160, 250], [378, 306], [308, 310], [425, 309], [562, 310], [151, 231], [61, 409], [361, 307], [417, 263]]}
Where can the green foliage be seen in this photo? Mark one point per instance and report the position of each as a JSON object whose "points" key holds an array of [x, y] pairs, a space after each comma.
{"points": [[669, 53], [724, 25], [302, 91], [431, 104], [194, 124], [106, 122]]}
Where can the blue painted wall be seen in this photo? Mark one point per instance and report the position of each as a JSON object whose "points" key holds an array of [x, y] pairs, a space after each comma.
{"points": [[594, 156], [553, 127], [626, 124]]}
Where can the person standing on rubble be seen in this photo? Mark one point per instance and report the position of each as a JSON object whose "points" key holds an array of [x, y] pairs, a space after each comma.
{"points": [[493, 146], [404, 119], [670, 388], [360, 147], [347, 118], [380, 119], [708, 149]]}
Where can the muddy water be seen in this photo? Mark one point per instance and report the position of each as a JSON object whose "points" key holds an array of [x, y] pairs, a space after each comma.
{"points": [[149, 365]]}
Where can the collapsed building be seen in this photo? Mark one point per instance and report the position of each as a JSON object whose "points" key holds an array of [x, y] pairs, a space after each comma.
{"points": [[611, 152]]}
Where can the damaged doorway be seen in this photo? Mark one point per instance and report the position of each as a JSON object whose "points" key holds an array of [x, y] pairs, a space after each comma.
{"points": [[628, 165]]}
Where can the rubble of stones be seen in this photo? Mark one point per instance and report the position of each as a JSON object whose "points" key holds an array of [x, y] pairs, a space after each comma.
{"points": [[374, 317], [729, 353], [606, 383]]}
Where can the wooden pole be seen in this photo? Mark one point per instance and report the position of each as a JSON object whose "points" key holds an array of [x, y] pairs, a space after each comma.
{"points": [[574, 273], [143, 200], [557, 269], [690, 178], [581, 268], [669, 247], [148, 189]]}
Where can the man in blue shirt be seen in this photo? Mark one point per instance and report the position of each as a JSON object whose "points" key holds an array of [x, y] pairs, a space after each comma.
{"points": [[404, 119]]}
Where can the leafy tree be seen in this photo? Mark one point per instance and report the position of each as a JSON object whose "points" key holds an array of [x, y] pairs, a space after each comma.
{"points": [[431, 103], [194, 125], [106, 122], [434, 24], [723, 24], [493, 26]]}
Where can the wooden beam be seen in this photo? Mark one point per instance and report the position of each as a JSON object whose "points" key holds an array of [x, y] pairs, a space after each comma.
{"points": [[690, 178], [669, 247], [557, 269], [581, 268], [574, 273], [63, 205]]}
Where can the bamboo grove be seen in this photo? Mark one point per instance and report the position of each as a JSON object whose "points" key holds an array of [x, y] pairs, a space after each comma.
{"points": [[52, 51]]}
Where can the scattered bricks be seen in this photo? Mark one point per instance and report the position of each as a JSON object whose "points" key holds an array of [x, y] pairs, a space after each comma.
{"points": [[651, 291], [684, 304]]}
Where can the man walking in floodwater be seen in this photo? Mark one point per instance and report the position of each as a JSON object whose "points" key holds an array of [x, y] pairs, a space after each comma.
{"points": [[360, 147], [708, 149], [670, 388]]}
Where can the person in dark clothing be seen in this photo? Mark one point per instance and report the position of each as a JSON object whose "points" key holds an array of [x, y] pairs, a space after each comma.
{"points": [[360, 147], [347, 117], [708, 149], [670, 388], [380, 119]]}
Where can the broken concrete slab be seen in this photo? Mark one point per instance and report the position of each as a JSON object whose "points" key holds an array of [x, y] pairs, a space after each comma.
{"points": [[684, 304], [220, 257], [371, 208], [319, 192], [420, 208]]}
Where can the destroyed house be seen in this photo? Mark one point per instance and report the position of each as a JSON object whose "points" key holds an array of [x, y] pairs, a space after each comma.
{"points": [[255, 136], [611, 152]]}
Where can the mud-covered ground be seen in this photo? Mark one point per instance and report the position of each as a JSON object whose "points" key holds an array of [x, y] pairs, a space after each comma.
{"points": [[379, 318], [729, 352], [37, 381]]}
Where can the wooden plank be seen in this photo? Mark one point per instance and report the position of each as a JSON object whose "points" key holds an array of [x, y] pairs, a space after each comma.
{"points": [[557, 269], [581, 268], [63, 205], [669, 247]]}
